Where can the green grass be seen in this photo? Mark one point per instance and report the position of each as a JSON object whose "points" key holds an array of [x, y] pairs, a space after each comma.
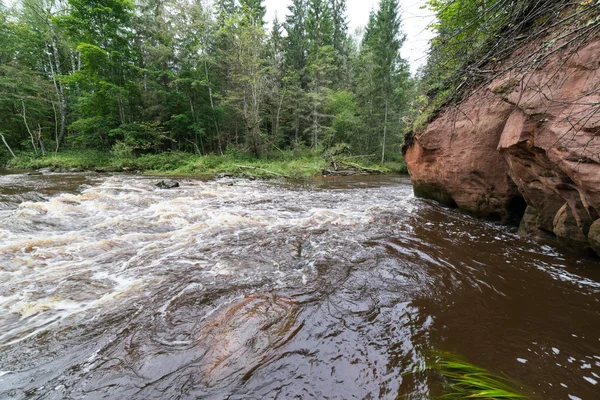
{"points": [[286, 164], [84, 159], [468, 381]]}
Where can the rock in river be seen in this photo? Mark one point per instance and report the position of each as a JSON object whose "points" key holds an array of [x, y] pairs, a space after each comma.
{"points": [[167, 184], [245, 336]]}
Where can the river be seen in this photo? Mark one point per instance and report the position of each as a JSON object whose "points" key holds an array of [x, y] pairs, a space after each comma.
{"points": [[331, 289]]}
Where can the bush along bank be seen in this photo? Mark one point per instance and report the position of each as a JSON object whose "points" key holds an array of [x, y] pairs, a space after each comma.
{"points": [[285, 165]]}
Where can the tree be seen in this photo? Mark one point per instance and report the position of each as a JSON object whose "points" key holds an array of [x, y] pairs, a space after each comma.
{"points": [[25, 94], [321, 61], [138, 76], [384, 40], [38, 16], [295, 63], [253, 12], [99, 30], [340, 42], [278, 82], [249, 71]]}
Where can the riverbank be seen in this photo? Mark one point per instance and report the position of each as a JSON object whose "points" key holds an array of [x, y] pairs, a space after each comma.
{"points": [[286, 165]]}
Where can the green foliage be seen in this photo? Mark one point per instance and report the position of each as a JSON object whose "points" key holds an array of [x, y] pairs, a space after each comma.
{"points": [[383, 81], [253, 11], [299, 163], [122, 150], [91, 133], [135, 79], [66, 160], [138, 137], [468, 381], [345, 120]]}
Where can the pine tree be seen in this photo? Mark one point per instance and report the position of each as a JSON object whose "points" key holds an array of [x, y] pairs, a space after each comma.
{"points": [[319, 25], [249, 72], [278, 84], [254, 12], [296, 61], [341, 44], [340, 26], [385, 41], [321, 62], [224, 9], [296, 40]]}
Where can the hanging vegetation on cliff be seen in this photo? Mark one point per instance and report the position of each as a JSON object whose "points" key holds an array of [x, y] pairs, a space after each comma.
{"points": [[476, 38]]}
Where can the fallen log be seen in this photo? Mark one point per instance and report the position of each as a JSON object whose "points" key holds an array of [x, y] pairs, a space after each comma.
{"points": [[263, 170], [361, 168]]}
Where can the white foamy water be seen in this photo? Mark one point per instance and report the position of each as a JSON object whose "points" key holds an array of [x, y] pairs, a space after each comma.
{"points": [[76, 252]]}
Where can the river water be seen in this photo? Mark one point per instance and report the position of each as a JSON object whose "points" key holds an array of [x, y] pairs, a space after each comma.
{"points": [[335, 289]]}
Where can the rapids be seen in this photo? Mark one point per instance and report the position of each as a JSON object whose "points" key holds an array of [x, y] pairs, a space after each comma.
{"points": [[336, 289]]}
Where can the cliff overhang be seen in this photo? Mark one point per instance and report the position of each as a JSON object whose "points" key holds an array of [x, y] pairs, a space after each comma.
{"points": [[524, 146]]}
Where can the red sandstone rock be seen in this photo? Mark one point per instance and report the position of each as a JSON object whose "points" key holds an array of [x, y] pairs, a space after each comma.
{"points": [[534, 133], [455, 160], [245, 335]]}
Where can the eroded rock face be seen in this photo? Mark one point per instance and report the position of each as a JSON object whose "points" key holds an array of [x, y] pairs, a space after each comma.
{"points": [[534, 135], [244, 336], [455, 160]]}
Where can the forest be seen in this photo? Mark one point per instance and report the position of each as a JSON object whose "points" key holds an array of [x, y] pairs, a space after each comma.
{"points": [[125, 80], [129, 78]]}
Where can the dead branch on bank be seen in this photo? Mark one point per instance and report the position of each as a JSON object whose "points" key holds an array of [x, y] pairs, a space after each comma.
{"points": [[556, 26], [263, 170], [361, 168], [7, 146], [346, 168]]}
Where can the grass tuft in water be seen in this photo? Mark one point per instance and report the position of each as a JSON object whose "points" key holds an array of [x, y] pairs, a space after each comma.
{"points": [[468, 381]]}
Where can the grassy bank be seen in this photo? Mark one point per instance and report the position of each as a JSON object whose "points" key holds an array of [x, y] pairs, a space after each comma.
{"points": [[288, 164]]}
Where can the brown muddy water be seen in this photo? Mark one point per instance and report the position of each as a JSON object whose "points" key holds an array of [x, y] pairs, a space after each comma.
{"points": [[113, 289]]}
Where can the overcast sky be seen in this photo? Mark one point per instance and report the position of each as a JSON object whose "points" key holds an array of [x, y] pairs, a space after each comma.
{"points": [[414, 23]]}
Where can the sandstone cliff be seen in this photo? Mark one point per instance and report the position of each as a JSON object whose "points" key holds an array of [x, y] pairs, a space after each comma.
{"points": [[525, 147]]}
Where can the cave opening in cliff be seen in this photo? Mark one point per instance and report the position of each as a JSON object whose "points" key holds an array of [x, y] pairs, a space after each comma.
{"points": [[515, 209]]}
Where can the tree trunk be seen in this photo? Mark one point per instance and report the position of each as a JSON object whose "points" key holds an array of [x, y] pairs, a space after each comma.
{"points": [[316, 114], [62, 101], [29, 130], [195, 143], [121, 109], [7, 146], [297, 127], [384, 128], [41, 141], [212, 106]]}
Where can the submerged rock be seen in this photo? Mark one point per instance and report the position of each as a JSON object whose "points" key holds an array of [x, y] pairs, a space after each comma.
{"points": [[167, 184], [103, 170], [244, 336]]}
